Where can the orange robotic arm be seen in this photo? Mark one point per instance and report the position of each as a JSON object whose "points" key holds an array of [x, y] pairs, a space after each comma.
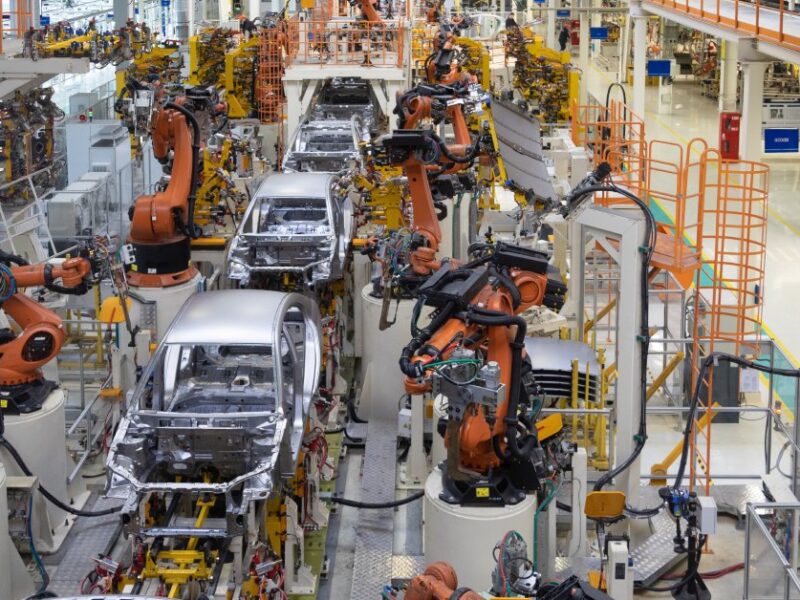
{"points": [[155, 218], [438, 582], [413, 109], [22, 356], [163, 223], [369, 12], [475, 347]]}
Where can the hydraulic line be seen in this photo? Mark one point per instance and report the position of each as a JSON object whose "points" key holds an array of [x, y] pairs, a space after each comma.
{"points": [[714, 358], [80, 513], [376, 505]]}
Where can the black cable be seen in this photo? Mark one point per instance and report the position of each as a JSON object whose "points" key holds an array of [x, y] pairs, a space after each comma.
{"points": [[563, 506], [713, 358], [490, 318], [467, 158], [354, 441], [648, 246], [80, 513], [685, 579], [508, 283], [352, 415], [624, 103], [371, 505], [643, 512], [417, 369]]}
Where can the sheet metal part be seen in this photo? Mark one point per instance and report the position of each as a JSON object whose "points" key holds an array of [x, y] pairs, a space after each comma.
{"points": [[551, 365], [296, 223], [341, 98], [519, 139], [228, 389]]}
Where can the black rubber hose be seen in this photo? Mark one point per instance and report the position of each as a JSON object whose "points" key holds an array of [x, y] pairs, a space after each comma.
{"points": [[80, 513], [8, 258], [352, 415], [221, 126], [685, 579], [375, 505], [648, 246], [410, 368], [467, 158], [190, 118], [695, 400]]}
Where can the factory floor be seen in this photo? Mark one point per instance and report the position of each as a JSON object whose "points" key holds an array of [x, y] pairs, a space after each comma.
{"points": [[696, 116]]}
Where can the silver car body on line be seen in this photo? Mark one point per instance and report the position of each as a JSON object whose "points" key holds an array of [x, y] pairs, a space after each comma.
{"points": [[325, 146], [295, 223], [228, 390]]}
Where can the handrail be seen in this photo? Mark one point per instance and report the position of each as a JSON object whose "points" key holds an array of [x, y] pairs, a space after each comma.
{"points": [[749, 18]]}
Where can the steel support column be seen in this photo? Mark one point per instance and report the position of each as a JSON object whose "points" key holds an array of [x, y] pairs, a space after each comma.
{"points": [[752, 108], [620, 233], [583, 53], [729, 76], [639, 62]]}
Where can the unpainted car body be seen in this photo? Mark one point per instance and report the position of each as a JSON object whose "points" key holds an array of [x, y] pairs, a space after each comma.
{"points": [[296, 223], [329, 136], [222, 405], [325, 146]]}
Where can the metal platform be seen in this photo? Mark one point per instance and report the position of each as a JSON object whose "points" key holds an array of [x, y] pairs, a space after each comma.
{"points": [[733, 499], [89, 537], [653, 553], [372, 563]]}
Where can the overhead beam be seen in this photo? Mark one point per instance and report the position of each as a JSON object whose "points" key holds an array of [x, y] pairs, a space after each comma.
{"points": [[10, 67]]}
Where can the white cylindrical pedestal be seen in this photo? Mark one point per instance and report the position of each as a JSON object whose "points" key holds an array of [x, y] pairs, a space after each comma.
{"points": [[38, 437], [465, 536], [15, 582], [383, 380], [168, 302], [5, 541], [438, 451]]}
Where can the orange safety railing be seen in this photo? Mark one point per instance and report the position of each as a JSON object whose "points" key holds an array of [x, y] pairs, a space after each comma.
{"points": [[24, 16], [345, 43], [655, 172], [271, 67], [712, 205], [613, 134], [768, 21], [729, 288]]}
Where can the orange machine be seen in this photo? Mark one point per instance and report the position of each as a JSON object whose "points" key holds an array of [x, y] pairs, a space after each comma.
{"points": [[162, 224], [368, 11], [439, 66], [425, 157], [472, 353], [23, 388], [438, 582]]}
